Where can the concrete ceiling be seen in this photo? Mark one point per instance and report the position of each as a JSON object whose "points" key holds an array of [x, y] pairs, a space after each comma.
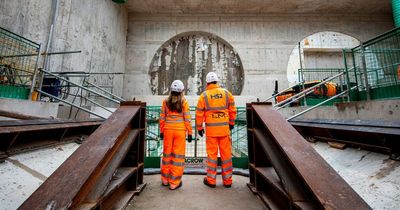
{"points": [[260, 6]]}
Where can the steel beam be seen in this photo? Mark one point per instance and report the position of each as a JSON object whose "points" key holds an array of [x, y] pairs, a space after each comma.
{"points": [[104, 172], [372, 135], [286, 172], [17, 115], [19, 136]]}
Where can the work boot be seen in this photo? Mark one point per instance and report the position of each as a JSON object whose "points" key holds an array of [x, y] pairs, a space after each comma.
{"points": [[208, 184], [164, 183], [228, 185], [180, 185]]}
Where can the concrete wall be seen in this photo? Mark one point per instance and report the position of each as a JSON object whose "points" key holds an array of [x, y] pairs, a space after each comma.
{"points": [[323, 60], [97, 27], [380, 110], [320, 50], [263, 42], [30, 19], [33, 108]]}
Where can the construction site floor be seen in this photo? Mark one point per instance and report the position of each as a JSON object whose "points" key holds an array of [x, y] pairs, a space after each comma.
{"points": [[195, 195], [373, 176]]}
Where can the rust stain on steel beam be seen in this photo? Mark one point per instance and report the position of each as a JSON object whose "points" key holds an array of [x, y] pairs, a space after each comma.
{"points": [[24, 128], [375, 136], [356, 128], [6, 123], [120, 152], [17, 115], [287, 174], [22, 136], [69, 186], [327, 187]]}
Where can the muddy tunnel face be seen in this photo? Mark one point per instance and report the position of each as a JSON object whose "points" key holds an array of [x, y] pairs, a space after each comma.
{"points": [[189, 57]]}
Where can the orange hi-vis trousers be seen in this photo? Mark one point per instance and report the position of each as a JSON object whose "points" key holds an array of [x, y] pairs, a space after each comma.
{"points": [[173, 159], [224, 145]]}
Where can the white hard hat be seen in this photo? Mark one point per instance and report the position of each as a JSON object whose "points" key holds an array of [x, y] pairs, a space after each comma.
{"points": [[212, 77], [177, 86]]}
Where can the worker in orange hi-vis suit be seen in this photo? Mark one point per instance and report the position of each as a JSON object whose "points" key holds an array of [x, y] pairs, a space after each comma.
{"points": [[216, 107], [174, 123]]}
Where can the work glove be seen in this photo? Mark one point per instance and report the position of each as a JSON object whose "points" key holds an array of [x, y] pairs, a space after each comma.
{"points": [[201, 132], [231, 127], [161, 136], [190, 137]]}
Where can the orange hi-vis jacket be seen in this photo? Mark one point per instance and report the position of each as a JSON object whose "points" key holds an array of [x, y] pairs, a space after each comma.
{"points": [[175, 121], [215, 107]]}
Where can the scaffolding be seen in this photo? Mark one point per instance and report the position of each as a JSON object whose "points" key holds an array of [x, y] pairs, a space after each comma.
{"points": [[18, 64]]}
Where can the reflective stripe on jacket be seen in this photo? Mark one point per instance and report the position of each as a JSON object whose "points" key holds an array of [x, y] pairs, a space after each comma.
{"points": [[216, 107], [174, 120]]}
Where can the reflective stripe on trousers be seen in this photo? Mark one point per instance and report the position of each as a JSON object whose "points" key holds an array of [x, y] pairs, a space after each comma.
{"points": [[173, 159], [211, 169], [224, 145], [227, 169]]}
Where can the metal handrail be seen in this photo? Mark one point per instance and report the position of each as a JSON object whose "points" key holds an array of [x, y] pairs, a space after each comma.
{"points": [[118, 100], [85, 88], [377, 38], [98, 104], [306, 91], [34, 75], [320, 104], [43, 53], [71, 104], [106, 91], [273, 95]]}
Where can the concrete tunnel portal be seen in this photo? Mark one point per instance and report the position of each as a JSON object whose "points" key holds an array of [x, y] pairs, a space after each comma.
{"points": [[189, 57]]}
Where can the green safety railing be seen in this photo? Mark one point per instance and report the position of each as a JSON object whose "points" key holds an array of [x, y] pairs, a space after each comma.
{"points": [[376, 65], [318, 74], [18, 62], [373, 66], [196, 148]]}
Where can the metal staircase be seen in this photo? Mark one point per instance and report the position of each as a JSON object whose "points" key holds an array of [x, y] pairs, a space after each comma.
{"points": [[80, 96]]}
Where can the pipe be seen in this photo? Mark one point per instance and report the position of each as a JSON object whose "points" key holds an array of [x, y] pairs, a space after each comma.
{"points": [[105, 91], [43, 53], [54, 10], [71, 104], [301, 72], [396, 12], [77, 85], [365, 72], [198, 171], [306, 91], [35, 71], [323, 102]]}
